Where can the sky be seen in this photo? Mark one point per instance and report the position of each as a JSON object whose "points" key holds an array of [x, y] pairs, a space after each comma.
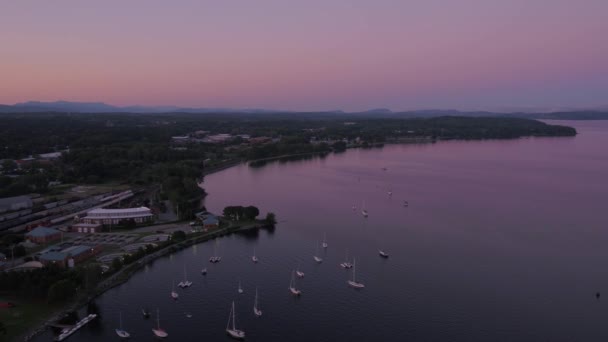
{"points": [[307, 55]]}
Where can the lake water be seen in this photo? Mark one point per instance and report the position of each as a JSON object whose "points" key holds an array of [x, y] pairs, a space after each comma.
{"points": [[502, 241]]}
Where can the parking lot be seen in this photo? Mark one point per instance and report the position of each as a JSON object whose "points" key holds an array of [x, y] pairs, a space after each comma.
{"points": [[105, 239]]}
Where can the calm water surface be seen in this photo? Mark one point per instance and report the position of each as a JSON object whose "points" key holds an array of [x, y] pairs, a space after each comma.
{"points": [[502, 241]]}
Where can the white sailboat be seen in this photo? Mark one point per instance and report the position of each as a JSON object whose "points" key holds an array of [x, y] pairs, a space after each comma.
{"points": [[240, 290], [317, 258], [158, 331], [120, 332], [363, 211], [184, 284], [346, 264], [215, 258], [324, 244], [254, 258], [256, 310], [292, 285], [233, 331], [353, 282], [174, 294], [204, 271], [383, 253], [299, 273]]}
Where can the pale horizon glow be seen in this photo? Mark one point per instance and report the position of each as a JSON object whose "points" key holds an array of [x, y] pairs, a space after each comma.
{"points": [[307, 55]]}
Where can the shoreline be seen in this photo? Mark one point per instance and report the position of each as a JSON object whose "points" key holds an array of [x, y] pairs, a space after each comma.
{"points": [[127, 271]]}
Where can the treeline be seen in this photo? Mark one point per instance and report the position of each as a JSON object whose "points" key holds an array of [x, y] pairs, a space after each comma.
{"points": [[52, 283]]}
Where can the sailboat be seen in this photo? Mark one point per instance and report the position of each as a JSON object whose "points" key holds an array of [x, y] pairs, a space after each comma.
{"points": [[383, 253], [240, 290], [254, 258], [158, 331], [405, 203], [174, 294], [299, 273], [292, 286], [145, 312], [324, 244], [204, 271], [317, 258], [363, 211], [346, 264], [185, 283], [120, 332], [256, 310], [215, 258], [354, 282], [234, 332]]}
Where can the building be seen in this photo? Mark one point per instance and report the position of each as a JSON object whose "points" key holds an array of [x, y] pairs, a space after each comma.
{"points": [[70, 256], [43, 235], [15, 203], [118, 216], [211, 222], [86, 228]]}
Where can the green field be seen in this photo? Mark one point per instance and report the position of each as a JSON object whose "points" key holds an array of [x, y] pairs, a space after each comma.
{"points": [[24, 316]]}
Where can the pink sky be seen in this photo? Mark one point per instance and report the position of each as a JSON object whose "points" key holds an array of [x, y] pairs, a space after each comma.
{"points": [[307, 55]]}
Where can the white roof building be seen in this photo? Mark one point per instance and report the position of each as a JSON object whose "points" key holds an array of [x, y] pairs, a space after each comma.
{"points": [[114, 216]]}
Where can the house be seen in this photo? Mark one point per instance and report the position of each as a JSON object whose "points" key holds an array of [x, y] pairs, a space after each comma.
{"points": [[43, 235], [211, 222]]}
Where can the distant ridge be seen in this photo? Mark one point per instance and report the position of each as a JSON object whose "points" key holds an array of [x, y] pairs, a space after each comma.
{"points": [[598, 113], [100, 107]]}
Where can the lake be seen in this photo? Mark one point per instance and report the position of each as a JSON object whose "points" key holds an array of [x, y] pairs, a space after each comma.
{"points": [[503, 240]]}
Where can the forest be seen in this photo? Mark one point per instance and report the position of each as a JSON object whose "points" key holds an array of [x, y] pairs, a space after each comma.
{"points": [[137, 149]]}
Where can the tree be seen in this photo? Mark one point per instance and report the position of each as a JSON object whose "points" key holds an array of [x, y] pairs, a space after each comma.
{"points": [[178, 235], [251, 212], [2, 328], [20, 251], [116, 264], [9, 165], [271, 219], [61, 291]]}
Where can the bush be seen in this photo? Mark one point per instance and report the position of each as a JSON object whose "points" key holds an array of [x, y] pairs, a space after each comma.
{"points": [[61, 291]]}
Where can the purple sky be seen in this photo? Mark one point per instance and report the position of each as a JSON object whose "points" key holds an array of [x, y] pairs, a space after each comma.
{"points": [[307, 55]]}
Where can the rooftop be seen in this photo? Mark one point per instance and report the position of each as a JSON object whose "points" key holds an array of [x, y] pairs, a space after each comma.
{"points": [[76, 250], [42, 232], [53, 256], [211, 220]]}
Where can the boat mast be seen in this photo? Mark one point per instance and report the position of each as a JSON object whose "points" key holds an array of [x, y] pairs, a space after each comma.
{"points": [[233, 317], [158, 318]]}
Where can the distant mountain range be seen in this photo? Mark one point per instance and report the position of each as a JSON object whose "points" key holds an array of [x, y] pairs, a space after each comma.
{"points": [[100, 107], [598, 113]]}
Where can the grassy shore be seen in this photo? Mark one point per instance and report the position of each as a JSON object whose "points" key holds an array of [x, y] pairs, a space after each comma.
{"points": [[25, 315]]}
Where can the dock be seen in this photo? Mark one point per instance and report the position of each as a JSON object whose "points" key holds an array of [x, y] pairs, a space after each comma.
{"points": [[67, 332]]}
